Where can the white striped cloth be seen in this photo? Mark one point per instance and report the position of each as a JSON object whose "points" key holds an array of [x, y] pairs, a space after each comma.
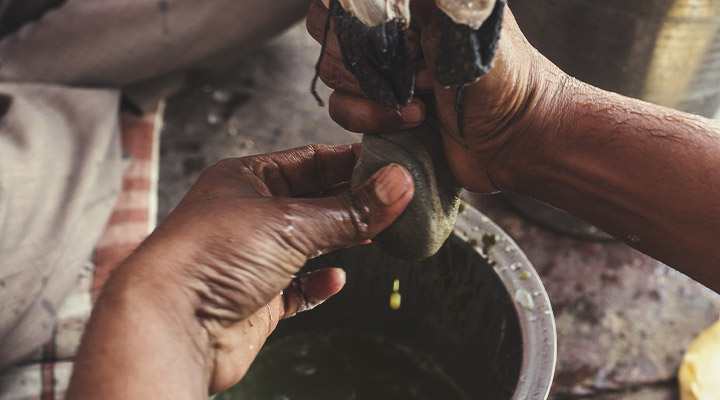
{"points": [[46, 375]]}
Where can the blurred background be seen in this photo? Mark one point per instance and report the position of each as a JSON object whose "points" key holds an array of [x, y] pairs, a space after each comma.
{"points": [[261, 105]]}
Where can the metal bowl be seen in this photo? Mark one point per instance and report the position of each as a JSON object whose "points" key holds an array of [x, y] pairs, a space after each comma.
{"points": [[519, 278], [489, 328]]}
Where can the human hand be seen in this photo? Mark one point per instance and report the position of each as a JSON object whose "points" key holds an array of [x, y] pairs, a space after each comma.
{"points": [[234, 242], [500, 111], [347, 105]]}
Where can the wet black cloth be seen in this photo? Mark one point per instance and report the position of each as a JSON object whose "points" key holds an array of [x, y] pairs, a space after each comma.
{"points": [[379, 57]]}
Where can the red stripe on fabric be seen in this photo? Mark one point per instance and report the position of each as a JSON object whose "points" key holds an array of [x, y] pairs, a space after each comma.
{"points": [[121, 216], [137, 139], [136, 184], [48, 380], [137, 135]]}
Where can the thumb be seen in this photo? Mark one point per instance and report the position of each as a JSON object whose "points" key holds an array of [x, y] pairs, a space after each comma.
{"points": [[355, 216]]}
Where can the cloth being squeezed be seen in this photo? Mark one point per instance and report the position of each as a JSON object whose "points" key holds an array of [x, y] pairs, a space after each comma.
{"points": [[428, 220], [373, 40]]}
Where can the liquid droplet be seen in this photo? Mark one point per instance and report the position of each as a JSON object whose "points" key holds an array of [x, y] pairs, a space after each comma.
{"points": [[523, 297], [395, 300]]}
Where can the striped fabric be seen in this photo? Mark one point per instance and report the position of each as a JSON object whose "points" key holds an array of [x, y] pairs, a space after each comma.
{"points": [[47, 373]]}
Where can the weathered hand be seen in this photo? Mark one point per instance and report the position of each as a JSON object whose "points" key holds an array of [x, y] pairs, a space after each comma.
{"points": [[347, 104], [216, 266], [508, 104], [500, 110]]}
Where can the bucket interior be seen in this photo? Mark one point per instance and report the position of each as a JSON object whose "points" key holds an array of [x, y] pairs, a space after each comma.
{"points": [[455, 313]]}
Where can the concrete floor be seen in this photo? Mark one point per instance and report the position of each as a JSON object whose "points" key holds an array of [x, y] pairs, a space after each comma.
{"points": [[264, 105]]}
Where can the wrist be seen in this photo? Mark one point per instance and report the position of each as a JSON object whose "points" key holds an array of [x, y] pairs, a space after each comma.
{"points": [[139, 330], [537, 133], [154, 295]]}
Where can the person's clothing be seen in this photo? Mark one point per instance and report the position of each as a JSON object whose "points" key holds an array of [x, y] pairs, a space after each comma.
{"points": [[45, 373], [112, 43], [60, 170], [60, 161]]}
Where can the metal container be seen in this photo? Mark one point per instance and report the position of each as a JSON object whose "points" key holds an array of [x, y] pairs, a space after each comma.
{"points": [[663, 51], [490, 328]]}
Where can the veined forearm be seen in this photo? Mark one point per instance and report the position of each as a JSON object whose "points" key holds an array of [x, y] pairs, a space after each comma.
{"points": [[648, 175]]}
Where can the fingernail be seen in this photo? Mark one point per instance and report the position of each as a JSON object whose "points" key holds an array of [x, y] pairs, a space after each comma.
{"points": [[342, 275], [392, 183], [412, 113]]}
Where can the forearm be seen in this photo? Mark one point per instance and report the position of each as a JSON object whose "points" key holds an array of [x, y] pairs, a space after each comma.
{"points": [[648, 175], [141, 343]]}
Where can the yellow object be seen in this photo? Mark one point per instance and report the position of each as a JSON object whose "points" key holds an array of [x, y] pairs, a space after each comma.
{"points": [[699, 374], [395, 300], [395, 296]]}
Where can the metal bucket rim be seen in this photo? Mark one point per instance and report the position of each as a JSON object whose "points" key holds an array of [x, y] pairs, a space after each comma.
{"points": [[539, 335]]}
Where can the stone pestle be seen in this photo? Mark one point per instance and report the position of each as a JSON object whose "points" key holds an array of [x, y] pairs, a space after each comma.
{"points": [[429, 219]]}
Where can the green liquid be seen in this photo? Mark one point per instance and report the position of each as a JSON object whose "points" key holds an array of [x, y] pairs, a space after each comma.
{"points": [[341, 366]]}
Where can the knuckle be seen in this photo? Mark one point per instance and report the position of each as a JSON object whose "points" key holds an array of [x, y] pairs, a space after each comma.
{"points": [[329, 73], [359, 213], [241, 164], [360, 115], [318, 152], [341, 114], [350, 123], [334, 75]]}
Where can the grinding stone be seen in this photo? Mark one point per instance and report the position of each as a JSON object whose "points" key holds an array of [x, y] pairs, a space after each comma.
{"points": [[428, 220]]}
